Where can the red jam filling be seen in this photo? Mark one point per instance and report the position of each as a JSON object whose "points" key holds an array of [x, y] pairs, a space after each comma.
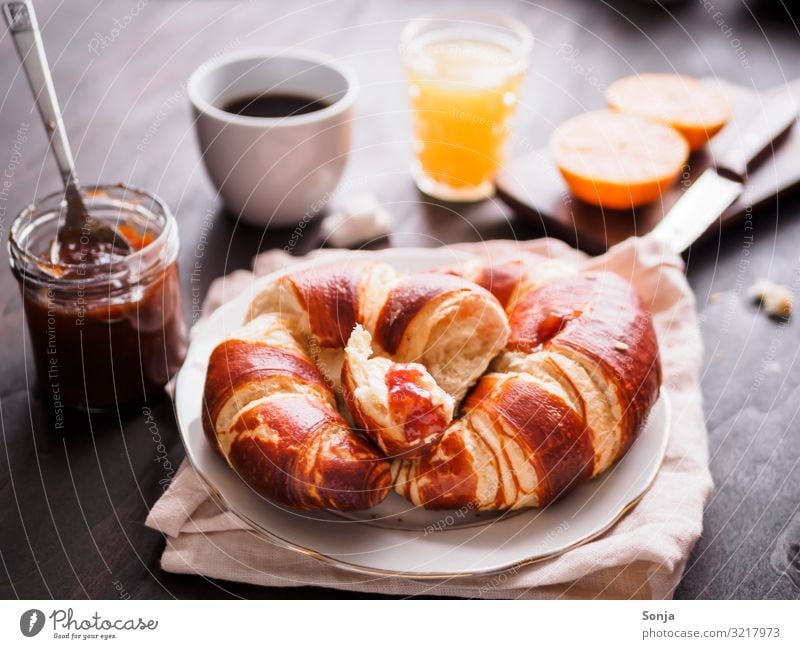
{"points": [[412, 404]]}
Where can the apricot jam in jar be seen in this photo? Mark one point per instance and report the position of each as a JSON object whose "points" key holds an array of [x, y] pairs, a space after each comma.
{"points": [[105, 329]]}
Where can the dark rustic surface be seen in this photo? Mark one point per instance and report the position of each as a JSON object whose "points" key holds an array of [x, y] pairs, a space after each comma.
{"points": [[72, 506]]}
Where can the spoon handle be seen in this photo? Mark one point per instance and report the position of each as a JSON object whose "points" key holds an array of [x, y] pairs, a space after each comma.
{"points": [[24, 31]]}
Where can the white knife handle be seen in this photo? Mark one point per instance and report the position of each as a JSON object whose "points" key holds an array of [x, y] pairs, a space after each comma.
{"points": [[772, 121]]}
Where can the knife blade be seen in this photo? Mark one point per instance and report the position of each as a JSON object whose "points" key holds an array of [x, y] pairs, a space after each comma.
{"points": [[718, 188]]}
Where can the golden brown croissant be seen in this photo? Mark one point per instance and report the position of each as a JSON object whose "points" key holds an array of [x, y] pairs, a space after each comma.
{"points": [[271, 412], [566, 398]]}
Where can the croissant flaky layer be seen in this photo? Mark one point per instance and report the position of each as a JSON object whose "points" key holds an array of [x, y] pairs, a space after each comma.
{"points": [[568, 396]]}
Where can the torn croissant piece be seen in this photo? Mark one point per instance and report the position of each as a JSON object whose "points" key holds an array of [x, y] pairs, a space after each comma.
{"points": [[566, 400], [269, 413], [398, 405]]}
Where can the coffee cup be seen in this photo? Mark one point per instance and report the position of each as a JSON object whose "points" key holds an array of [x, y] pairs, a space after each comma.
{"points": [[274, 130]]}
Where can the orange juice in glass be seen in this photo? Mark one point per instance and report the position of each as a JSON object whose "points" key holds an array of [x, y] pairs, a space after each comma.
{"points": [[464, 75]]}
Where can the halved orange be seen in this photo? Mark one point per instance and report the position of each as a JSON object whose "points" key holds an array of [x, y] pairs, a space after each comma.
{"points": [[617, 160], [692, 107]]}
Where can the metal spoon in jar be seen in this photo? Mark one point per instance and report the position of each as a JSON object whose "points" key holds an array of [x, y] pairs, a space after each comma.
{"points": [[81, 234]]}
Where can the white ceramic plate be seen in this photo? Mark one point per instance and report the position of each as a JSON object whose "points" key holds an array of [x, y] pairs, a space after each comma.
{"points": [[396, 538]]}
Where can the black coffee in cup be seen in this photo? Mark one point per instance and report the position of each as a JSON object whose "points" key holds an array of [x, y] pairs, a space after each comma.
{"points": [[274, 105]]}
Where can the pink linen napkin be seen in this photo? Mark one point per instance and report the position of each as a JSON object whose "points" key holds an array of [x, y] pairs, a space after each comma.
{"points": [[642, 556]]}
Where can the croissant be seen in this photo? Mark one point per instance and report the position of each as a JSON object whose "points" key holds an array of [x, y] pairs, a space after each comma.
{"points": [[270, 405], [565, 399], [269, 412]]}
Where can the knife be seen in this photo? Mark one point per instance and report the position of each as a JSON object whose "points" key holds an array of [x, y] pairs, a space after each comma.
{"points": [[718, 187]]}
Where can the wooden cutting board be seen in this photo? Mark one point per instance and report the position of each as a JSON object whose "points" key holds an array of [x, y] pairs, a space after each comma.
{"points": [[532, 186]]}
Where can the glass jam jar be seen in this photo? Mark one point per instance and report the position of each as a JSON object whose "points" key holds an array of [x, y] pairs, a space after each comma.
{"points": [[110, 332]]}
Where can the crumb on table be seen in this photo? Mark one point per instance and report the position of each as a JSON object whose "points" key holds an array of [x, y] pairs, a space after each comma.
{"points": [[776, 298]]}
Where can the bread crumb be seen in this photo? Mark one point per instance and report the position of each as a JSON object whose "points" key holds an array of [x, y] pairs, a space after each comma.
{"points": [[715, 298], [620, 346], [776, 298]]}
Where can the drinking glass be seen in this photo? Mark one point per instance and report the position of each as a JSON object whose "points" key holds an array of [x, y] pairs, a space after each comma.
{"points": [[464, 74]]}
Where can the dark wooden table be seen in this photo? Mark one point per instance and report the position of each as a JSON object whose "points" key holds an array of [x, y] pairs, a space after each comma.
{"points": [[72, 506]]}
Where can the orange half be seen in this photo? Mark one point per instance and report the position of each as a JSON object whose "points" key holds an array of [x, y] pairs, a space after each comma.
{"points": [[617, 160], [690, 106]]}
